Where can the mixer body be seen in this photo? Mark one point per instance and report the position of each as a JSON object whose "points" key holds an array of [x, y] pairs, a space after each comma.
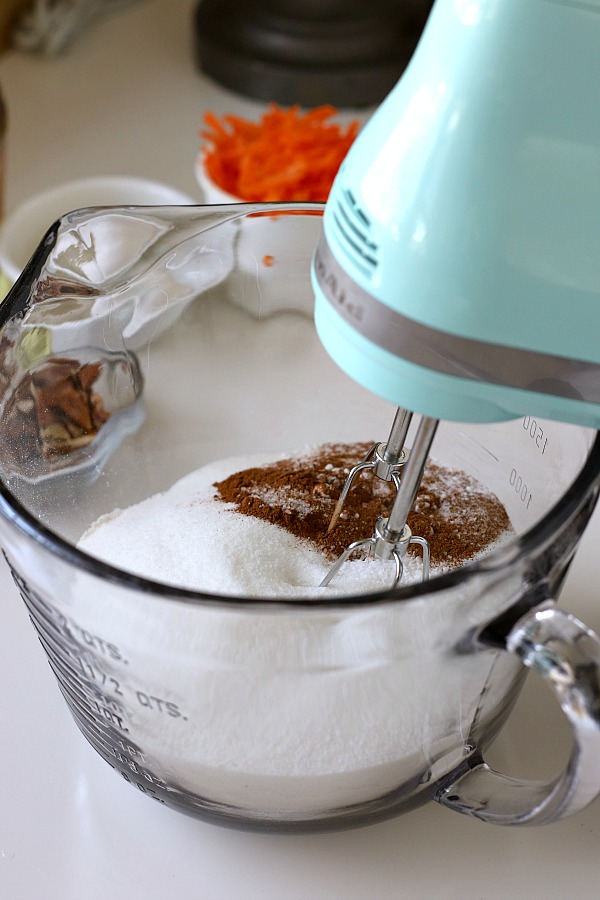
{"points": [[458, 274]]}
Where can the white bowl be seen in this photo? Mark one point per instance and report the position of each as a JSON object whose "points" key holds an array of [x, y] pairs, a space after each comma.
{"points": [[260, 251], [25, 227], [211, 192]]}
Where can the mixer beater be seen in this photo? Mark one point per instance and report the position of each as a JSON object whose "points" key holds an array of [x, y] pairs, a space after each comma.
{"points": [[391, 461], [385, 460]]}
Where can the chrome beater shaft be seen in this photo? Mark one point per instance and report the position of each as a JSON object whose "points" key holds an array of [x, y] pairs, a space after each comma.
{"points": [[384, 459], [392, 536]]}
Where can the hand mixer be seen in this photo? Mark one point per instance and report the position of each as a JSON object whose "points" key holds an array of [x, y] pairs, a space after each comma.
{"points": [[458, 271]]}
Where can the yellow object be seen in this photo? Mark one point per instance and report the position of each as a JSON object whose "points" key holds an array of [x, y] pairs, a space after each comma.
{"points": [[5, 285], [36, 345]]}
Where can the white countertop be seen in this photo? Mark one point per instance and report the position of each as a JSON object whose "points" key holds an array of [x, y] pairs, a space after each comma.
{"points": [[127, 99]]}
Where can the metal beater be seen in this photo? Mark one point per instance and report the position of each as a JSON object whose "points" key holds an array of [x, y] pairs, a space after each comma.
{"points": [[458, 273], [392, 536]]}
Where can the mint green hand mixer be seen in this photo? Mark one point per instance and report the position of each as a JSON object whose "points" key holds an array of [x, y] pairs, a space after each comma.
{"points": [[458, 272]]}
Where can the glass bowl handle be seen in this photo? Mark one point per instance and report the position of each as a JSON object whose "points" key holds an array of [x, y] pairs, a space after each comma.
{"points": [[567, 656]]}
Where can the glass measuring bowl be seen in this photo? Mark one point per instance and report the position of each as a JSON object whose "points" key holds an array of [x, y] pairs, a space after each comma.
{"points": [[258, 712]]}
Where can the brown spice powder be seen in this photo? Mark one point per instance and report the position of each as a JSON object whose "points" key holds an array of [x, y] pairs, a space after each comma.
{"points": [[457, 515]]}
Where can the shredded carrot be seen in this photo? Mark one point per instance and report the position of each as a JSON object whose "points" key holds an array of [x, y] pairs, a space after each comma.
{"points": [[286, 155], [268, 260]]}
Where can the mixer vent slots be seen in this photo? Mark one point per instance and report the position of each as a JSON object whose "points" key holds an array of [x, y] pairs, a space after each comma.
{"points": [[353, 231]]}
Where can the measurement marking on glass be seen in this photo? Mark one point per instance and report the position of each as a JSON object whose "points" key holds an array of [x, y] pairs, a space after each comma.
{"points": [[521, 489], [536, 433], [481, 446]]}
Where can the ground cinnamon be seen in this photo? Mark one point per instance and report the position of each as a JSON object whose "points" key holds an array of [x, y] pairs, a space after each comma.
{"points": [[457, 515]]}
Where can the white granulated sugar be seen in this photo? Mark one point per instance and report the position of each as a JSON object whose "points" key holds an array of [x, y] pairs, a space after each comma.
{"points": [[289, 710], [187, 538]]}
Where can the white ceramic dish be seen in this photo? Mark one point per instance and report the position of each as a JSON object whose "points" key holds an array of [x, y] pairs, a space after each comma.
{"points": [[25, 226], [211, 192], [253, 265]]}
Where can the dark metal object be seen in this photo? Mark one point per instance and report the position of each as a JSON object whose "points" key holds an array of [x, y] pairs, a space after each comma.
{"points": [[349, 53]]}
